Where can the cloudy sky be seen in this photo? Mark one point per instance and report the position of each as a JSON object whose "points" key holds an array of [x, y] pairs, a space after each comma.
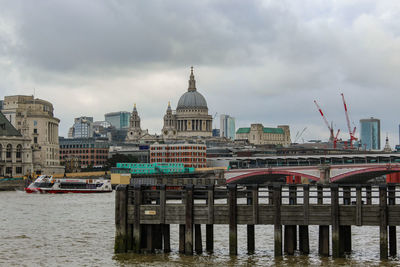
{"points": [[259, 61]]}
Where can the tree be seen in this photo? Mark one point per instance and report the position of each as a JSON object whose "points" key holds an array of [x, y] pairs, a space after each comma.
{"points": [[120, 158]]}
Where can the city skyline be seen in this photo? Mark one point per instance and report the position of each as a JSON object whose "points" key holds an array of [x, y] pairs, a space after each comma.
{"points": [[265, 64]]}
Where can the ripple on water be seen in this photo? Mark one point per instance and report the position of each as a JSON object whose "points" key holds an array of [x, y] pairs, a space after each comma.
{"points": [[78, 230]]}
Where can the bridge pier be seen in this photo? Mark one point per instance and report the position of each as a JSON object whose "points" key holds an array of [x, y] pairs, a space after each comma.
{"points": [[324, 174]]}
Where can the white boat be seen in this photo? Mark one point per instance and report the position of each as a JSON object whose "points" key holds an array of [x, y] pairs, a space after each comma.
{"points": [[48, 184]]}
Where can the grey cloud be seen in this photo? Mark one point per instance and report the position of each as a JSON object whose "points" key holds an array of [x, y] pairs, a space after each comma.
{"points": [[268, 60]]}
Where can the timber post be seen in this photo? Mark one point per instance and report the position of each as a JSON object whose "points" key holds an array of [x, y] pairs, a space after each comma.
{"points": [[189, 220], [304, 243], [210, 222], [383, 233], [121, 224], [277, 221], [232, 219], [336, 251], [392, 228]]}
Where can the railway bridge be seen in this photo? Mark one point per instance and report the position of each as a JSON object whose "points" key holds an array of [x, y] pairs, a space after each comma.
{"points": [[347, 168]]}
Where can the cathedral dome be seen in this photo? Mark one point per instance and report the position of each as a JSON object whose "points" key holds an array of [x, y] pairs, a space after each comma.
{"points": [[192, 99]]}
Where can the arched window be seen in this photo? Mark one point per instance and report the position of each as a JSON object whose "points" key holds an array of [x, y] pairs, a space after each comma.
{"points": [[8, 151], [19, 152]]}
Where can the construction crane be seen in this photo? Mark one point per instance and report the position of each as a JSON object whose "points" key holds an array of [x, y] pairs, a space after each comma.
{"points": [[299, 134], [351, 133], [332, 137]]}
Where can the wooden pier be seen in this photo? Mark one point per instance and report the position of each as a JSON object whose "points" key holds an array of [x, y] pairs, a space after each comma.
{"points": [[143, 215]]}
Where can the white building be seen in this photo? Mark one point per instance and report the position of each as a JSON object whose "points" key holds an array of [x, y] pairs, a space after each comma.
{"points": [[35, 120]]}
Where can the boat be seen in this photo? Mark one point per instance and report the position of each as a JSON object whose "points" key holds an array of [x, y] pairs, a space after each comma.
{"points": [[48, 184]]}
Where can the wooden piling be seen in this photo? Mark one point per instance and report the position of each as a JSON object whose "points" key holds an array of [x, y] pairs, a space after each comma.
{"points": [[189, 220], [290, 239], [323, 233], [277, 221], [157, 236], [232, 219], [358, 206], [121, 233], [392, 228], [345, 230], [336, 253], [182, 238], [252, 200], [383, 233], [323, 245], [150, 246], [210, 225], [304, 242], [154, 232], [290, 231], [166, 238], [198, 245], [137, 228]]}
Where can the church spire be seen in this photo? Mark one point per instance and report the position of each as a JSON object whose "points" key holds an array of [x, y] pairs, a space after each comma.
{"points": [[192, 81], [387, 146]]}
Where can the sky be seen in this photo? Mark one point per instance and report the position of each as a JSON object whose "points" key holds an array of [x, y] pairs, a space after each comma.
{"points": [[258, 61]]}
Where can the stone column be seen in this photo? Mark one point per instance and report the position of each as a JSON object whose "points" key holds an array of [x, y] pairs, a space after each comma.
{"points": [[14, 154], [325, 171], [3, 153]]}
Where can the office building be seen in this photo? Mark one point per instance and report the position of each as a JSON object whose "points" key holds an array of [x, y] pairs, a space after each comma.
{"points": [[370, 134], [191, 155], [119, 119], [82, 128], [90, 152], [227, 126]]}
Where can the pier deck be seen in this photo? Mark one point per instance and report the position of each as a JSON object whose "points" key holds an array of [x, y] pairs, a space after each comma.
{"points": [[144, 213]]}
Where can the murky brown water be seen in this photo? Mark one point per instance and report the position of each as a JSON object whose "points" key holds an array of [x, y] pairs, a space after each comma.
{"points": [[78, 230]]}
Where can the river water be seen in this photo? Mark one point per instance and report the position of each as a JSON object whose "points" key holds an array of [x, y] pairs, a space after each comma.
{"points": [[78, 230]]}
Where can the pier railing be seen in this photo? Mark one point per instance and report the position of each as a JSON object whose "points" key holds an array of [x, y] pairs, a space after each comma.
{"points": [[144, 213]]}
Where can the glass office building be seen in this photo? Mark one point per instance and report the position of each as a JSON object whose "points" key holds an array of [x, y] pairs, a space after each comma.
{"points": [[370, 134], [118, 119], [83, 127], [227, 126]]}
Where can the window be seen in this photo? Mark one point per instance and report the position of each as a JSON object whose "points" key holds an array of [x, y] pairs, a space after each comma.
{"points": [[35, 140], [18, 170], [35, 131], [8, 151], [19, 152], [9, 170]]}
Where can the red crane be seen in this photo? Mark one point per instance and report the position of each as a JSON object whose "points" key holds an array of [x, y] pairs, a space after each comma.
{"points": [[351, 133], [332, 137]]}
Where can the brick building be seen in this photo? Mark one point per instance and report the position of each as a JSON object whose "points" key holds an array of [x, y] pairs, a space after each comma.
{"points": [[191, 155], [90, 151]]}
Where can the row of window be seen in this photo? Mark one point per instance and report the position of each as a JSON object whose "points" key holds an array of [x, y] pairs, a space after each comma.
{"points": [[180, 154], [84, 146], [18, 170], [177, 147], [177, 160], [9, 151], [84, 151], [86, 157]]}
